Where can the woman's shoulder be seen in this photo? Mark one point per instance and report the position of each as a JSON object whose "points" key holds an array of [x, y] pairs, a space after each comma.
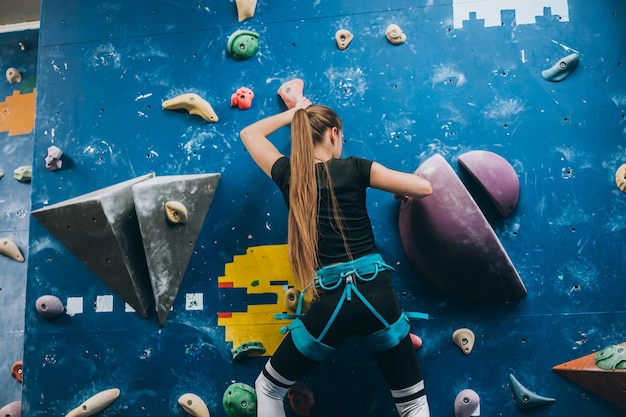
{"points": [[280, 167]]}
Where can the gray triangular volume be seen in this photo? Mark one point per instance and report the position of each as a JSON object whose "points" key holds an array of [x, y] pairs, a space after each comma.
{"points": [[101, 229], [169, 243]]}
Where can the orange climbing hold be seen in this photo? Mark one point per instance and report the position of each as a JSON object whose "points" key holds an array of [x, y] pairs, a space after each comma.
{"points": [[17, 113], [608, 384], [17, 371]]}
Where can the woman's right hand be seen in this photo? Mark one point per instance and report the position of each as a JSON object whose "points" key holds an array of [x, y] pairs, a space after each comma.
{"points": [[302, 103]]}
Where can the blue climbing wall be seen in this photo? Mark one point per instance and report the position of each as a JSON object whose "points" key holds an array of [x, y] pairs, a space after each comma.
{"points": [[467, 78], [17, 50]]}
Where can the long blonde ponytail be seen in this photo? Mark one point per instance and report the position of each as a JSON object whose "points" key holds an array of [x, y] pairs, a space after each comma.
{"points": [[303, 202], [307, 129]]}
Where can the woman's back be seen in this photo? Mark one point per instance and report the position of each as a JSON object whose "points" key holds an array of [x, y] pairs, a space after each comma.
{"points": [[349, 178]]}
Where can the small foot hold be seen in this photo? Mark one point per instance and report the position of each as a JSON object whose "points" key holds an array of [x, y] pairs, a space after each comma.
{"points": [[10, 249], [13, 76], [194, 104], [23, 173], [343, 38], [242, 98], [53, 160], [395, 35], [194, 405], [291, 91], [50, 307], [246, 350], [464, 339], [176, 212], [239, 400], [525, 398], [95, 404], [561, 69], [245, 9], [17, 371], [467, 403], [620, 178], [301, 399], [293, 302], [13, 409], [416, 340], [242, 44]]}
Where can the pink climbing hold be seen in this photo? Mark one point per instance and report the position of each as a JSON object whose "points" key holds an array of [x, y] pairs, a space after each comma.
{"points": [[496, 177], [13, 409], [450, 242], [53, 160], [291, 91], [467, 403], [301, 399], [242, 98], [50, 307], [416, 340]]}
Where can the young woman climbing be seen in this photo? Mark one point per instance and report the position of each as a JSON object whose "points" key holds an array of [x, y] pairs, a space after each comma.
{"points": [[334, 257]]}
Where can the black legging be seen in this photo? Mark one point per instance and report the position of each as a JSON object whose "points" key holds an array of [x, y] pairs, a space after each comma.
{"points": [[399, 365]]}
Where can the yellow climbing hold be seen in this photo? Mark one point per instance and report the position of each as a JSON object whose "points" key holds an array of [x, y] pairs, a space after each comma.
{"points": [[194, 104], [95, 404], [10, 249]]}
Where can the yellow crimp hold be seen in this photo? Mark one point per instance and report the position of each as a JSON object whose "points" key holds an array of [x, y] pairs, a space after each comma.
{"points": [[194, 104], [254, 271], [17, 113]]}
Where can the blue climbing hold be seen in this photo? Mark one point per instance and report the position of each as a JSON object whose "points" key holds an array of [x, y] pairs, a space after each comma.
{"points": [[525, 398]]}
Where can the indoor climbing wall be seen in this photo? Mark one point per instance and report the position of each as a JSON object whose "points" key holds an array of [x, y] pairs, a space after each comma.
{"points": [[138, 96], [18, 58]]}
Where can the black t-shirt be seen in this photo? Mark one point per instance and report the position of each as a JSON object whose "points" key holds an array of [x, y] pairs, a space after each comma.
{"points": [[350, 178]]}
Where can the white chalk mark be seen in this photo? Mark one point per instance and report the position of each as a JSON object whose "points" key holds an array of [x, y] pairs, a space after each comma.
{"points": [[74, 306], [194, 301], [104, 304], [141, 97]]}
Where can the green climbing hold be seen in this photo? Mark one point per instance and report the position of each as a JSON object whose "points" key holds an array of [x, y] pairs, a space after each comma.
{"points": [[242, 44], [611, 358], [239, 400], [247, 349], [23, 173]]}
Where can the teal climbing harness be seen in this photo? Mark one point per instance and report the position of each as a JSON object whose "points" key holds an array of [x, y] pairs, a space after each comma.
{"points": [[331, 277]]}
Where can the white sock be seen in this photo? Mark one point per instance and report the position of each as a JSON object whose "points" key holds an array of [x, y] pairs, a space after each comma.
{"points": [[271, 389], [411, 401]]}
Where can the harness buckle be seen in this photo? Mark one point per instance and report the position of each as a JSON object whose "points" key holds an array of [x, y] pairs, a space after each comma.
{"points": [[349, 284]]}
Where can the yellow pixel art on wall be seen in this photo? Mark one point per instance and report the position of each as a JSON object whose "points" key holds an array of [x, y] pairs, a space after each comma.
{"points": [[262, 270]]}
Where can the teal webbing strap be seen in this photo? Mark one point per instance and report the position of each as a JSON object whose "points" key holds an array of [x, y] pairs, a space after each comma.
{"points": [[330, 278], [309, 346]]}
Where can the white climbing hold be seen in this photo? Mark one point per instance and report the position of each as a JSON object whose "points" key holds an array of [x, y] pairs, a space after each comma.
{"points": [[395, 35], [464, 339], [13, 76], [176, 212], [96, 403], [194, 405], [343, 38], [245, 9], [10, 249]]}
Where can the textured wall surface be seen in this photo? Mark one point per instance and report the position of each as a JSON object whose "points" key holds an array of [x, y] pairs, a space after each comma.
{"points": [[460, 82], [17, 108]]}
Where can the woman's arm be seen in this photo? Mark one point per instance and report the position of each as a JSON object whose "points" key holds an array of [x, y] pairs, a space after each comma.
{"points": [[254, 136], [399, 183]]}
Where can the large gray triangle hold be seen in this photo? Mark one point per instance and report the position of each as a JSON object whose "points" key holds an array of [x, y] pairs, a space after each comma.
{"points": [[101, 229], [171, 212]]}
